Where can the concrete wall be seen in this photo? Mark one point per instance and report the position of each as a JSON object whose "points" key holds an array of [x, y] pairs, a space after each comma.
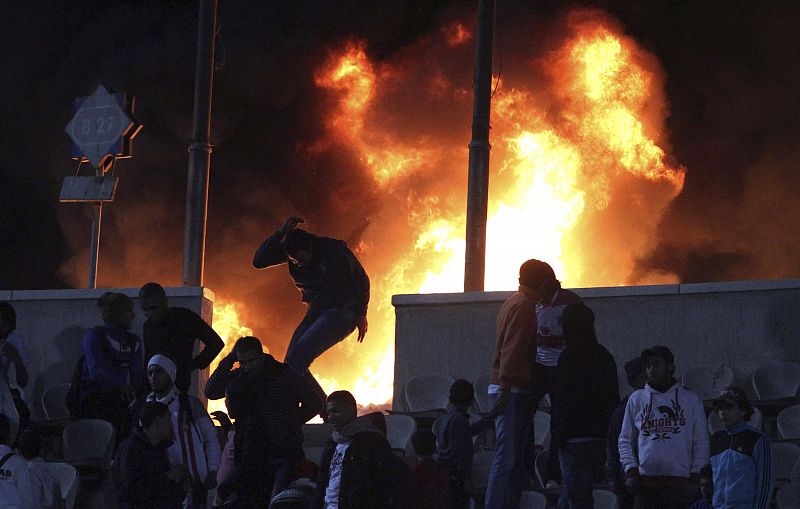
{"points": [[53, 322], [741, 324]]}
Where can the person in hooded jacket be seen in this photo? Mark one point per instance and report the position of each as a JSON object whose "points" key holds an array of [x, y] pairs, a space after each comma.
{"points": [[588, 392], [664, 442], [355, 469]]}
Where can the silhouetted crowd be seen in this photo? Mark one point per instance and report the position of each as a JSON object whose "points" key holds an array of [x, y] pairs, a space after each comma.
{"points": [[651, 448]]}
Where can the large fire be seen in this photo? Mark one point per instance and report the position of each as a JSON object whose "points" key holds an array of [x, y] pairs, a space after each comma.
{"points": [[580, 174]]}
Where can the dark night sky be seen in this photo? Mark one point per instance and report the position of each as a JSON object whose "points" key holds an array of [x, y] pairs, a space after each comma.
{"points": [[732, 82]]}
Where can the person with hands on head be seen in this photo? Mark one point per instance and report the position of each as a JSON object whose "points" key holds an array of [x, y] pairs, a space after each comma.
{"points": [[143, 475], [333, 285], [664, 442], [510, 393], [270, 402], [196, 445]]}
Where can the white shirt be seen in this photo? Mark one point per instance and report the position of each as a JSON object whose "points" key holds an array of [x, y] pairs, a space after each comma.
{"points": [[15, 489], [44, 487], [335, 480]]}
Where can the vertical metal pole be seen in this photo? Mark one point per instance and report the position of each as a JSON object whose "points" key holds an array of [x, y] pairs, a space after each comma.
{"points": [[94, 247], [478, 187], [194, 241]]}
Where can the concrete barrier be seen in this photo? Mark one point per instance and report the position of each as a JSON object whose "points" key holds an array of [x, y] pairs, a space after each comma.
{"points": [[53, 322], [741, 324]]}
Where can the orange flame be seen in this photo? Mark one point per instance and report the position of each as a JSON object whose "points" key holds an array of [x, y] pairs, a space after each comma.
{"points": [[582, 180]]}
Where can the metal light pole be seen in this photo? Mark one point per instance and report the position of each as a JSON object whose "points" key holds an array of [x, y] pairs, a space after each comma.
{"points": [[194, 241], [94, 249], [478, 188]]}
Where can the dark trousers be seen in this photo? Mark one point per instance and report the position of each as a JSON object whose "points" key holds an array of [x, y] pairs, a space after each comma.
{"points": [[319, 331], [543, 380], [671, 497], [581, 466], [260, 479]]}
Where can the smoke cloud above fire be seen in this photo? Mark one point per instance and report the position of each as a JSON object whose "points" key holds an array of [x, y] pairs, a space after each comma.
{"points": [[615, 156]]}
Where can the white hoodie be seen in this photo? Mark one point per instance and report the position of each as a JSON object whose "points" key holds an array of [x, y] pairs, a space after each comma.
{"points": [[668, 429]]}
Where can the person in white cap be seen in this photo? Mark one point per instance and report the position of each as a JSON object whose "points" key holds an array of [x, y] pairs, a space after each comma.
{"points": [[196, 445]]}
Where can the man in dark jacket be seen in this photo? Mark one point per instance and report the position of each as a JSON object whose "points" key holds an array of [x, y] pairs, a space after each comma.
{"points": [[587, 391], [636, 375], [355, 469], [173, 331], [142, 473], [333, 283], [270, 403]]}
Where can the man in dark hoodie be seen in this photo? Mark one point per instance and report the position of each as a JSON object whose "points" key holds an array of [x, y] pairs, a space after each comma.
{"points": [[587, 391], [355, 466], [270, 403], [333, 283]]}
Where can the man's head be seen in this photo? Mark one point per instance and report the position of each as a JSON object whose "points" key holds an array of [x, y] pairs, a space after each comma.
{"points": [[635, 373], [5, 430], [298, 246], [577, 323], [156, 422], [733, 406], [539, 277], [462, 393], [250, 355], [161, 373], [341, 408], [659, 364], [8, 319], [117, 309], [153, 301], [424, 443], [29, 443]]}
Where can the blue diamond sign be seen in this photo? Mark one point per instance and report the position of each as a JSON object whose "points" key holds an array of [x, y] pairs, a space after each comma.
{"points": [[101, 126]]}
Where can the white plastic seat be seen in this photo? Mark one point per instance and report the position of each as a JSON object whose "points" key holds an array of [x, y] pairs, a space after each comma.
{"points": [[299, 493], [788, 496], [785, 457], [789, 423], [428, 392], [54, 402], [482, 393], [399, 429], [604, 499], [715, 423], [532, 500], [88, 444], [541, 429], [778, 380], [706, 382], [68, 481]]}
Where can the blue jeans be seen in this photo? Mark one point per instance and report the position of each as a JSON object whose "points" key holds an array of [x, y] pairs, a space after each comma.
{"points": [[581, 464], [319, 331], [507, 474]]}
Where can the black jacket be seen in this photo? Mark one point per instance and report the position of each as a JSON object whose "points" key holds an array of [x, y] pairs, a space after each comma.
{"points": [[585, 392], [269, 410], [367, 473], [334, 279], [140, 475]]}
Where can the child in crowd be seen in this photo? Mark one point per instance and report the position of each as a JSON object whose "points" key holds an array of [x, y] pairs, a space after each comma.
{"points": [[706, 490], [432, 479], [740, 455], [455, 442], [44, 487]]}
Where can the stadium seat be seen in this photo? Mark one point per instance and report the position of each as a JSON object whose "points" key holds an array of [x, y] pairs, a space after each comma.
{"points": [[54, 402], [427, 393], [399, 429], [482, 394], [789, 423], [785, 457], [706, 382], [68, 481], [604, 499], [88, 445], [541, 429], [532, 500], [788, 497], [775, 381]]}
